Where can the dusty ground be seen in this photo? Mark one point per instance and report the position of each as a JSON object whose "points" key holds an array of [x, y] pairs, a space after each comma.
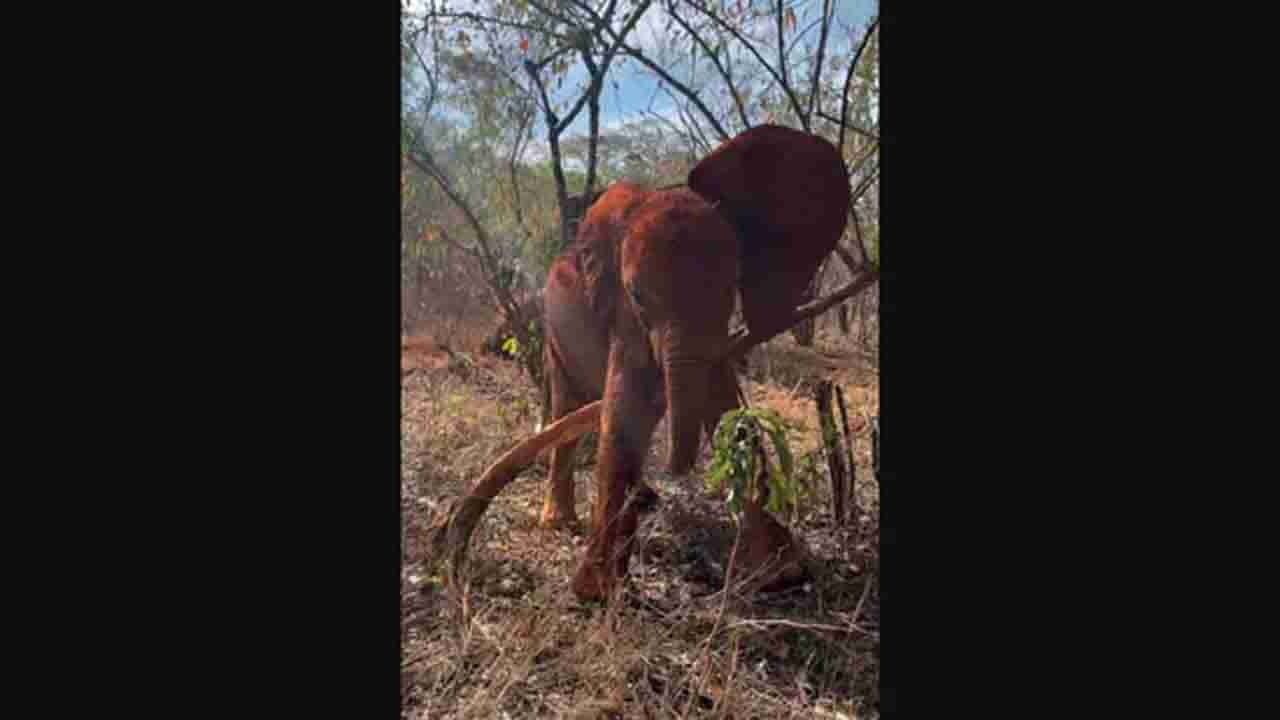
{"points": [[521, 645]]}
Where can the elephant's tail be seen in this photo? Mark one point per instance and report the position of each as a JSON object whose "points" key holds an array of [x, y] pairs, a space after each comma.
{"points": [[451, 534]]}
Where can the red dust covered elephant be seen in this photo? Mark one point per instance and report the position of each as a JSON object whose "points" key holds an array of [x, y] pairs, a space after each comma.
{"points": [[637, 316]]}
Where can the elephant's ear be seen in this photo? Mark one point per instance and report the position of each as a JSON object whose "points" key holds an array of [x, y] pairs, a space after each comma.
{"points": [[787, 194]]}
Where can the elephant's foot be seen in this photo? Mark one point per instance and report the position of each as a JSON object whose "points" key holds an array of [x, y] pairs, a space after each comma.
{"points": [[590, 582], [769, 558], [557, 510], [553, 518], [645, 498]]}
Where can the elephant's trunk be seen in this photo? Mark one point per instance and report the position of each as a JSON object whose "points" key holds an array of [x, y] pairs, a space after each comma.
{"points": [[687, 390]]}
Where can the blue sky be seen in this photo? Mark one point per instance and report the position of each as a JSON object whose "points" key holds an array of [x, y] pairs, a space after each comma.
{"points": [[636, 85]]}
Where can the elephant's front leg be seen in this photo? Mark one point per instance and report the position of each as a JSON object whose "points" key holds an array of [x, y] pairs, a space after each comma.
{"points": [[630, 414]]}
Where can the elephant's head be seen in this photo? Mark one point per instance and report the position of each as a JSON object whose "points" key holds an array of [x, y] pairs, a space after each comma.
{"points": [[781, 198], [679, 271]]}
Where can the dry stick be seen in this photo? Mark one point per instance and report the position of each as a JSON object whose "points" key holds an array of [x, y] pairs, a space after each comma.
{"points": [[835, 454], [858, 610], [836, 121], [725, 592], [743, 340], [782, 82], [853, 470], [787, 623], [715, 60], [853, 64], [454, 532], [822, 50], [724, 602]]}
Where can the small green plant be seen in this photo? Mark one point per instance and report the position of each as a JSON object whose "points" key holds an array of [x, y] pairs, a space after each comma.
{"points": [[511, 346], [739, 460], [527, 354]]}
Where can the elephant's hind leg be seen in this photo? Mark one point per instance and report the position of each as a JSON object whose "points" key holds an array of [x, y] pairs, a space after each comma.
{"points": [[558, 506]]}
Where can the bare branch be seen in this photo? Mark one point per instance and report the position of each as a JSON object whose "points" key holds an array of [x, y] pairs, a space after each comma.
{"points": [[517, 150], [743, 340], [857, 228], [566, 19], [684, 89], [827, 9], [715, 60], [865, 184], [502, 297], [836, 121], [844, 96], [852, 170], [782, 64], [786, 87], [847, 258], [694, 129], [483, 20]]}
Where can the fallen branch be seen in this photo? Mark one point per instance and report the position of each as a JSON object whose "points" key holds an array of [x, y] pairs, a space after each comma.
{"points": [[452, 533], [789, 623]]}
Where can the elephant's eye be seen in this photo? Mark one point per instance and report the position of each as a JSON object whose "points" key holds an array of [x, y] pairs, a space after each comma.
{"points": [[635, 297]]}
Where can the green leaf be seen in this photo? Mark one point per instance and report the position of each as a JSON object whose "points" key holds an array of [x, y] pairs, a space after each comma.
{"points": [[511, 346]]}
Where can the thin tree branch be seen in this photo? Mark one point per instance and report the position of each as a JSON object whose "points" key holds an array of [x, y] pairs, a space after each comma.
{"points": [[566, 19], [871, 151], [517, 151], [827, 7], [715, 60], [622, 46], [866, 184], [836, 121], [844, 96], [847, 257], [684, 89], [782, 64], [743, 339], [602, 23], [506, 303], [857, 227], [786, 88], [483, 20]]}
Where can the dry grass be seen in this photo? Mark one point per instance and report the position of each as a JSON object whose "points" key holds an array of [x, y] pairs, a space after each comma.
{"points": [[673, 645]]}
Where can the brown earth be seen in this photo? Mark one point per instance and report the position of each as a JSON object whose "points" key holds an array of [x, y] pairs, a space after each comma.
{"points": [[520, 645]]}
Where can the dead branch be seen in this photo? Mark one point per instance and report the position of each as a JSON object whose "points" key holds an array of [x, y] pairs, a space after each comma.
{"points": [[849, 262], [743, 340], [684, 89], [844, 96], [758, 624], [451, 534], [865, 185], [836, 121], [715, 60], [786, 88], [827, 7]]}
